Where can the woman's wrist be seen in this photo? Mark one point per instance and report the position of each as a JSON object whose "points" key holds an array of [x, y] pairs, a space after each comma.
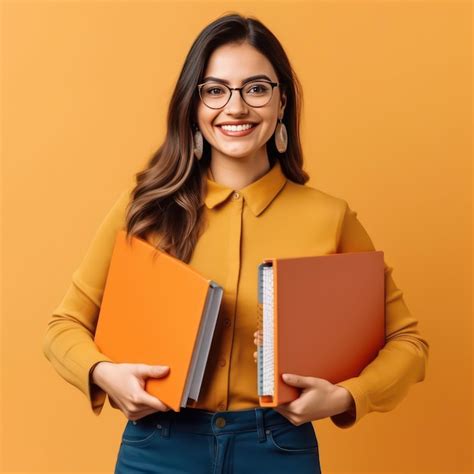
{"points": [[344, 401], [96, 371]]}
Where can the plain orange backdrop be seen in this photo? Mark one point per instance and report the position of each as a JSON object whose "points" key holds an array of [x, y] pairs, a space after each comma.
{"points": [[387, 125]]}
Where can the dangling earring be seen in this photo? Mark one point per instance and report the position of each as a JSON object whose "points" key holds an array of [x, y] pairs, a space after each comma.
{"points": [[281, 137], [198, 144]]}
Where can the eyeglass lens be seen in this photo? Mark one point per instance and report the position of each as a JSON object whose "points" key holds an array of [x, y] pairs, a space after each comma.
{"points": [[256, 94]]}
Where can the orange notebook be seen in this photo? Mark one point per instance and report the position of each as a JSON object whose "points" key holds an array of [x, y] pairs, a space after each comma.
{"points": [[156, 309], [321, 316]]}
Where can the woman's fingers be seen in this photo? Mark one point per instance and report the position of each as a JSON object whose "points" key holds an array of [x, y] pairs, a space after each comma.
{"points": [[257, 341], [148, 400], [257, 337]]}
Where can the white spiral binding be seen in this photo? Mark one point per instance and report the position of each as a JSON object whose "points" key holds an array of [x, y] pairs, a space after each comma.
{"points": [[268, 360]]}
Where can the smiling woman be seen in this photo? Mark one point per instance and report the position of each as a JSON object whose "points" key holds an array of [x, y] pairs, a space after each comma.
{"points": [[237, 122], [224, 191]]}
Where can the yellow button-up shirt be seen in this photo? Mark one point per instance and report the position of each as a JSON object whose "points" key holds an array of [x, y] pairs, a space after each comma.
{"points": [[271, 217]]}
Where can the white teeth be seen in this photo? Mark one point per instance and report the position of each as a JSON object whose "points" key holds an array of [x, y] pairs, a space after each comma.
{"points": [[237, 128]]}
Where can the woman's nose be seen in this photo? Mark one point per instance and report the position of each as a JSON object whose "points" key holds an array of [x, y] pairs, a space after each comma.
{"points": [[236, 103]]}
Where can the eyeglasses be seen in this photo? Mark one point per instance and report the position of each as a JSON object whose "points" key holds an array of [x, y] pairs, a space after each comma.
{"points": [[256, 94]]}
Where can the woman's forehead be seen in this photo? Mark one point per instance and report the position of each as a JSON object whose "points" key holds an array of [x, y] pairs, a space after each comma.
{"points": [[237, 62]]}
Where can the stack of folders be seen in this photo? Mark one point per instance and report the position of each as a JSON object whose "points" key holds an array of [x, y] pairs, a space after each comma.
{"points": [[158, 310], [320, 316]]}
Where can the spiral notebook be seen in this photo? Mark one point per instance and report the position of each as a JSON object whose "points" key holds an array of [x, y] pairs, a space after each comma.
{"points": [[158, 310], [321, 316]]}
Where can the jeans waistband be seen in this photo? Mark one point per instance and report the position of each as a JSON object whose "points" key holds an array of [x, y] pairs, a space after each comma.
{"points": [[206, 422]]}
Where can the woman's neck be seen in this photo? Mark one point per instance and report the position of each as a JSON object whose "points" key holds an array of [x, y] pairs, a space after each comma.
{"points": [[235, 174]]}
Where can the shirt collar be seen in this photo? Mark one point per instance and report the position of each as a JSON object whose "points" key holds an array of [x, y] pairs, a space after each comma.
{"points": [[257, 195]]}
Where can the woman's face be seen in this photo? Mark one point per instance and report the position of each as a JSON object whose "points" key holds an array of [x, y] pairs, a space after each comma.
{"points": [[235, 63]]}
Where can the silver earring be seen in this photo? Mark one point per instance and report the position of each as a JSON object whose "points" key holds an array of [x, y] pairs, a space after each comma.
{"points": [[198, 144], [281, 137]]}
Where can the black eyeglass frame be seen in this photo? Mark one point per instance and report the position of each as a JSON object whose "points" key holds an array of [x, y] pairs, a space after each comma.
{"points": [[273, 84]]}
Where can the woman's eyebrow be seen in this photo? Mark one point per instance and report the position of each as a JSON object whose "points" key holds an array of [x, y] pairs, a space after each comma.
{"points": [[251, 78]]}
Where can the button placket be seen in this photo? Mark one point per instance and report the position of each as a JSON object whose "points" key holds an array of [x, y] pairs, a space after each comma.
{"points": [[231, 285]]}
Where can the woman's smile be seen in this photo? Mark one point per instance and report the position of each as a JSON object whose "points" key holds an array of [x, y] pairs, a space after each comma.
{"points": [[237, 131]]}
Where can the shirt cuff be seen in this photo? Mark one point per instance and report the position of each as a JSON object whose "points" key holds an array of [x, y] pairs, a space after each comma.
{"points": [[347, 419], [97, 396]]}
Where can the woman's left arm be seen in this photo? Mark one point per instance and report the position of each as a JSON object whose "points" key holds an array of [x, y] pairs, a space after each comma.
{"points": [[385, 381]]}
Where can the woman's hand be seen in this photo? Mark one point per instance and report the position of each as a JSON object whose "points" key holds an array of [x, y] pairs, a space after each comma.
{"points": [[319, 397], [125, 386]]}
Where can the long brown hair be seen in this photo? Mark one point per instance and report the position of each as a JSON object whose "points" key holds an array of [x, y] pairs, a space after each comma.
{"points": [[167, 200]]}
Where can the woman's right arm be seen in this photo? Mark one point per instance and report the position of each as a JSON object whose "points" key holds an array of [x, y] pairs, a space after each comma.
{"points": [[69, 339]]}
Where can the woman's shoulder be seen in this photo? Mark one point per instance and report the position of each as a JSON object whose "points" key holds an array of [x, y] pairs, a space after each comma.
{"points": [[313, 196]]}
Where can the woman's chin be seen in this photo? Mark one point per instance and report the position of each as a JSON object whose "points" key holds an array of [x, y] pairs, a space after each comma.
{"points": [[237, 152]]}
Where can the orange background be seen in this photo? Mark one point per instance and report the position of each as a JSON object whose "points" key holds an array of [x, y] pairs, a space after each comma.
{"points": [[387, 126]]}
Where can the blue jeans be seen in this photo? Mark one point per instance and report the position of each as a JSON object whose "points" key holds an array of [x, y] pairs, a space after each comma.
{"points": [[257, 440]]}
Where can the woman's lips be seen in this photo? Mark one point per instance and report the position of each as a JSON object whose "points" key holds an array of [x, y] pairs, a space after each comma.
{"points": [[243, 133]]}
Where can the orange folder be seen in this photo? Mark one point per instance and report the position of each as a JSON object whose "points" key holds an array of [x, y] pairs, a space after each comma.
{"points": [[320, 316], [158, 310]]}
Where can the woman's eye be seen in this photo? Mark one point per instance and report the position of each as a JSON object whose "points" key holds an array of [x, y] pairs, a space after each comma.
{"points": [[214, 91], [257, 89]]}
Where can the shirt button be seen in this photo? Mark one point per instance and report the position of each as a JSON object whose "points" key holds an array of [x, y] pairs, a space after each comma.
{"points": [[221, 407], [220, 422], [226, 322], [236, 195], [222, 362]]}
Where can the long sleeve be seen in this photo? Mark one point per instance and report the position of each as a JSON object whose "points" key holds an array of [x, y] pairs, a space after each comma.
{"points": [[69, 339], [385, 381]]}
